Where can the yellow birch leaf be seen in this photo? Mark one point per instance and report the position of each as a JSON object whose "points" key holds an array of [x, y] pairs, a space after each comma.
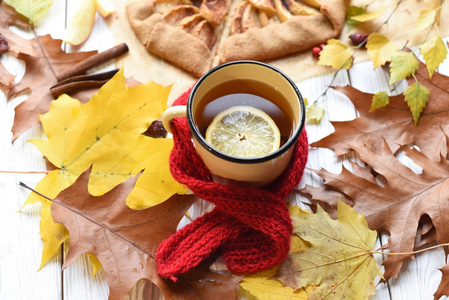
{"points": [[369, 16], [34, 10], [403, 64], [336, 54], [105, 135], [380, 49], [380, 99], [435, 5], [416, 96], [425, 19], [434, 52], [339, 262], [314, 114]]}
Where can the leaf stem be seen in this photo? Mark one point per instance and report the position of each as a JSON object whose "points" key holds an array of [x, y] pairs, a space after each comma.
{"points": [[411, 252], [23, 172]]}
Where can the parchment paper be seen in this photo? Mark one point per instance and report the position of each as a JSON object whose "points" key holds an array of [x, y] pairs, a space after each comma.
{"points": [[401, 28]]}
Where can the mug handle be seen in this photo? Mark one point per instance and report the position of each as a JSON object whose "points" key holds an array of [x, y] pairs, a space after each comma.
{"points": [[171, 113]]}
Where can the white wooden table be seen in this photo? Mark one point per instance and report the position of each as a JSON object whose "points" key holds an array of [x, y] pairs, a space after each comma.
{"points": [[21, 246]]}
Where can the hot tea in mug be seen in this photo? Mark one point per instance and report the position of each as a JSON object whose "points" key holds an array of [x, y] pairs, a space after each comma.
{"points": [[223, 99]]}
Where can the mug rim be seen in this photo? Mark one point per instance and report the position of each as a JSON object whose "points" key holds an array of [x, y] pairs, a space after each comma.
{"points": [[284, 148]]}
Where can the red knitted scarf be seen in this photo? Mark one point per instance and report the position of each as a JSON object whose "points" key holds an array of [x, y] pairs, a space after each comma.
{"points": [[251, 227]]}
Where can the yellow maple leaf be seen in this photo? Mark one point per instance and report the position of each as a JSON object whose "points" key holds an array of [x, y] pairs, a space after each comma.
{"points": [[105, 135], [339, 262], [380, 49], [53, 234], [261, 284], [416, 96], [96, 264], [403, 64], [336, 54], [154, 186], [434, 52]]}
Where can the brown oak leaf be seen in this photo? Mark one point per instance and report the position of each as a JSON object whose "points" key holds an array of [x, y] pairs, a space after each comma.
{"points": [[40, 74], [443, 288], [6, 79], [16, 44], [125, 241], [399, 205], [394, 122]]}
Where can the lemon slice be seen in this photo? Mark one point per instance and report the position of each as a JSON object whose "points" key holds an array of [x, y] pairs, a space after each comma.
{"points": [[243, 131]]}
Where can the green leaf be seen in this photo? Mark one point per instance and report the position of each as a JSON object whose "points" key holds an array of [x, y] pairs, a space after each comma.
{"points": [[416, 96], [403, 64], [352, 12], [380, 49], [426, 18], [434, 52], [34, 10], [380, 99], [369, 16], [336, 54], [314, 114]]}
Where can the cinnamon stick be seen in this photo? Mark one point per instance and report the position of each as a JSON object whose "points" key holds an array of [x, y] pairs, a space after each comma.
{"points": [[80, 82], [93, 61]]}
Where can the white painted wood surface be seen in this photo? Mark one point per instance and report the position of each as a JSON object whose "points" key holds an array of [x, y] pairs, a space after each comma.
{"points": [[21, 246]]}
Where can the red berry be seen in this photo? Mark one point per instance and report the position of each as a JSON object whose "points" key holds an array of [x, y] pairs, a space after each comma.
{"points": [[3, 44], [316, 51], [359, 39]]}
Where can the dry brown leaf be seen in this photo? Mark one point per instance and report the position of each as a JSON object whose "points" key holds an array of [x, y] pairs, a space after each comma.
{"points": [[443, 288], [396, 207], [125, 241], [9, 17], [16, 44], [6, 79], [394, 122], [40, 74]]}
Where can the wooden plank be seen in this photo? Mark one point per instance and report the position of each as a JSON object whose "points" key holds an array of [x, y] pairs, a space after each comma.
{"points": [[78, 281], [21, 245]]}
